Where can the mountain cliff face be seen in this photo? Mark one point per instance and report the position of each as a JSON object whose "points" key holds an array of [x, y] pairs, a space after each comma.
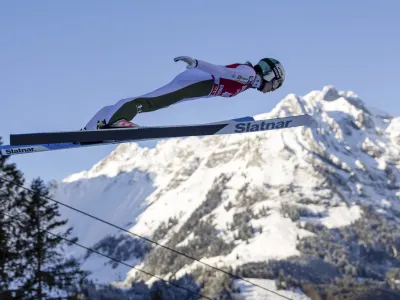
{"points": [[309, 210]]}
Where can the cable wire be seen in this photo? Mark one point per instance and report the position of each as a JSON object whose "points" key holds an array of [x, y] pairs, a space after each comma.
{"points": [[150, 241], [114, 259]]}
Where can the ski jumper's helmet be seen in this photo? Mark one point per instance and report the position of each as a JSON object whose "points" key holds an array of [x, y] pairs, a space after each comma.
{"points": [[272, 71]]}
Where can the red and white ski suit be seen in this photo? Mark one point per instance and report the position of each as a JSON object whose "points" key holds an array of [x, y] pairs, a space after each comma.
{"points": [[204, 81]]}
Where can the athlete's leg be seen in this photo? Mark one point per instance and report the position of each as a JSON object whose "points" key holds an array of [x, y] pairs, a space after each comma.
{"points": [[188, 85]]}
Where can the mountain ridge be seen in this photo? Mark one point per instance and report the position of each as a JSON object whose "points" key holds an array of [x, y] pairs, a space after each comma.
{"points": [[257, 196]]}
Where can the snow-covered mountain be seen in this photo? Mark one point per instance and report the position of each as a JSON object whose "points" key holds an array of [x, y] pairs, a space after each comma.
{"points": [[292, 205]]}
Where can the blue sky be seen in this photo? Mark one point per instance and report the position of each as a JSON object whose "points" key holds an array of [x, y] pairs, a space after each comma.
{"points": [[62, 60]]}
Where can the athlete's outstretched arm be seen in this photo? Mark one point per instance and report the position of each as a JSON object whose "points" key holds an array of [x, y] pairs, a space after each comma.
{"points": [[216, 70]]}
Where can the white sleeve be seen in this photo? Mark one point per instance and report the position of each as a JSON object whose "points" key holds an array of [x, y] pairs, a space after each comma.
{"points": [[242, 72]]}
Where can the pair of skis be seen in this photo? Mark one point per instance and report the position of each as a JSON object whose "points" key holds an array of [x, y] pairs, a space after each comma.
{"points": [[50, 141]]}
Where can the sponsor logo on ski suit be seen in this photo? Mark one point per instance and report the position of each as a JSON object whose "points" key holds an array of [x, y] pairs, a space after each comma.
{"points": [[231, 87]]}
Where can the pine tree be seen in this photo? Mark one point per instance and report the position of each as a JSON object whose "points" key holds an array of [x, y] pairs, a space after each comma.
{"points": [[47, 271], [10, 258]]}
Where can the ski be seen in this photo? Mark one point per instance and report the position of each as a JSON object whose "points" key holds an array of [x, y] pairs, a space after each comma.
{"points": [[50, 141]]}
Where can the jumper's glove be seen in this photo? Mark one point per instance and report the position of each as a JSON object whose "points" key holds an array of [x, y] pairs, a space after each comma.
{"points": [[192, 63]]}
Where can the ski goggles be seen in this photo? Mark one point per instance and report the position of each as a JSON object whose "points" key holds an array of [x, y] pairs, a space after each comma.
{"points": [[270, 85], [276, 83]]}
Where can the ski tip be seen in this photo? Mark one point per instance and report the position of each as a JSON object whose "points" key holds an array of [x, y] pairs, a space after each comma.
{"points": [[244, 119]]}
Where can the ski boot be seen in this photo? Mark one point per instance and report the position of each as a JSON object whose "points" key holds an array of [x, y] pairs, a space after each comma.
{"points": [[117, 124]]}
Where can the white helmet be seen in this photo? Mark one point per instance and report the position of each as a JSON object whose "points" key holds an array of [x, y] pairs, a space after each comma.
{"points": [[272, 71]]}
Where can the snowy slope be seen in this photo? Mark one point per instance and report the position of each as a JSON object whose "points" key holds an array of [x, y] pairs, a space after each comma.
{"points": [[249, 292], [281, 179]]}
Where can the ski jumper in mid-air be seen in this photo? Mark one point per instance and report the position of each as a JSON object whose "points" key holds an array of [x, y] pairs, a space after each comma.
{"points": [[200, 80]]}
